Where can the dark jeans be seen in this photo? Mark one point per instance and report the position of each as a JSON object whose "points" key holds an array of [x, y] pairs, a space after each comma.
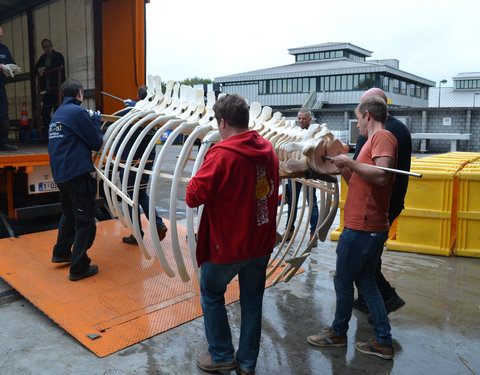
{"points": [[143, 198], [77, 223], [386, 290], [4, 125], [298, 188], [213, 285], [358, 253]]}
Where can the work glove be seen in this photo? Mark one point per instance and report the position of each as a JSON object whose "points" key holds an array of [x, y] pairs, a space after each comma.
{"points": [[11, 69], [129, 103], [96, 117]]}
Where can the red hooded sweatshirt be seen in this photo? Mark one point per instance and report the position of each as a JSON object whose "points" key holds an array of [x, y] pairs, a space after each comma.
{"points": [[238, 186]]}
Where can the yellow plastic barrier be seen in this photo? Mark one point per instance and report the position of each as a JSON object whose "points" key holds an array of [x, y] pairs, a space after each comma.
{"points": [[425, 225], [442, 209], [468, 216]]}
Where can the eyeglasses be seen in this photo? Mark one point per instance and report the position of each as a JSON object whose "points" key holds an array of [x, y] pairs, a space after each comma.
{"points": [[47, 46]]}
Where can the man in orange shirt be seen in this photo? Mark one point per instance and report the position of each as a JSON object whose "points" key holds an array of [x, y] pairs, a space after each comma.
{"points": [[366, 229]]}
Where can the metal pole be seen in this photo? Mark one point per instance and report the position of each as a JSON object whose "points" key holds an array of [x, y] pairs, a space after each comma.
{"points": [[399, 171], [439, 89], [112, 96]]}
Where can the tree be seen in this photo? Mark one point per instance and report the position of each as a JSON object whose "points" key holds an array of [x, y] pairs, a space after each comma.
{"points": [[195, 81]]}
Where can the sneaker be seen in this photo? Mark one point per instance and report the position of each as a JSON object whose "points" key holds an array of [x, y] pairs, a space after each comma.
{"points": [[311, 238], [372, 347], [131, 240], [8, 147], [360, 304], [327, 338], [64, 259], [206, 364], [394, 303], [239, 371], [91, 270], [162, 231]]}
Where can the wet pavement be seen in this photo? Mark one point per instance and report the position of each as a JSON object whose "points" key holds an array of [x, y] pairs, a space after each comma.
{"points": [[436, 332]]}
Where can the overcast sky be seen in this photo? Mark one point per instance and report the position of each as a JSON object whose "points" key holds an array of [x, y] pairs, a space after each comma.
{"points": [[211, 38]]}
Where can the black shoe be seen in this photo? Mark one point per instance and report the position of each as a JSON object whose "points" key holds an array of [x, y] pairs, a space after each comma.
{"points": [[91, 270], [130, 240], [360, 304], [8, 147], [64, 259], [394, 303]]}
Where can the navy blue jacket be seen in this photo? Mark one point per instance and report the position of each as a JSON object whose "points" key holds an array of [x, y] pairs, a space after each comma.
{"points": [[72, 137]]}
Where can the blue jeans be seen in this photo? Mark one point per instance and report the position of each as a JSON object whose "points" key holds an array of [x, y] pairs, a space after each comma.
{"points": [[213, 284], [313, 218], [357, 255]]}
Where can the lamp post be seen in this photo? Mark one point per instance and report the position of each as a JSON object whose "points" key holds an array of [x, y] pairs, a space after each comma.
{"points": [[477, 93], [440, 89]]}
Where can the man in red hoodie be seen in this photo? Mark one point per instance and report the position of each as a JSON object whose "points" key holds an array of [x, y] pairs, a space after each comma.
{"points": [[238, 186]]}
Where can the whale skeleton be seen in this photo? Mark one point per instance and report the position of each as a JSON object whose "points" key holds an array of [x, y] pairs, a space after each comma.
{"points": [[183, 111]]}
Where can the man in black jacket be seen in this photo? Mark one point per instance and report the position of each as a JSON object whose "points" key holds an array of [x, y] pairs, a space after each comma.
{"points": [[73, 134], [51, 70]]}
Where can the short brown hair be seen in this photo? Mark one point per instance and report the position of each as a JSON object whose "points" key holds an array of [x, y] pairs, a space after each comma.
{"points": [[376, 106], [233, 109]]}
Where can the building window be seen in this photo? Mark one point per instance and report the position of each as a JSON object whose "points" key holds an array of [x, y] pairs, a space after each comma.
{"points": [[403, 87], [385, 84], [396, 86], [262, 87], [350, 82]]}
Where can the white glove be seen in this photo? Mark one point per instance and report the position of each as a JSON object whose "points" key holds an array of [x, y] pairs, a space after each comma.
{"points": [[11, 69], [129, 102]]}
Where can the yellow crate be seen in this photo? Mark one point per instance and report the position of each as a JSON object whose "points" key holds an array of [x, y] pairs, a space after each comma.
{"points": [[425, 225], [433, 191], [468, 234], [468, 216], [469, 189], [422, 231]]}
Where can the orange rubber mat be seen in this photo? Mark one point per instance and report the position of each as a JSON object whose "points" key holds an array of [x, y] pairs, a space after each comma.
{"points": [[129, 300]]}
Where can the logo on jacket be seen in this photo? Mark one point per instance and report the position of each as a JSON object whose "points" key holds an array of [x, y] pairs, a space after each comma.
{"points": [[262, 192], [54, 130]]}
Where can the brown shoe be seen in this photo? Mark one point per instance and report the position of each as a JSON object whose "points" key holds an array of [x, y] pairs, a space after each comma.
{"points": [[311, 238], [327, 338], [206, 364], [239, 371], [372, 347], [162, 232]]}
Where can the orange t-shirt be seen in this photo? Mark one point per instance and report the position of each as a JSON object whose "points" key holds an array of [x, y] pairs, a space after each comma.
{"points": [[366, 206]]}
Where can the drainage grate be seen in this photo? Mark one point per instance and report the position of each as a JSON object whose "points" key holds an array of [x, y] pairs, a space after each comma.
{"points": [[8, 293]]}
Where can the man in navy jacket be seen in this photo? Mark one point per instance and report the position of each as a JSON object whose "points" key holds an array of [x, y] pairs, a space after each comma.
{"points": [[73, 134]]}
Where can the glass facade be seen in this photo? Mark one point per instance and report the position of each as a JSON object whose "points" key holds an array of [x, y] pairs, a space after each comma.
{"points": [[342, 82], [467, 84], [322, 55]]}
